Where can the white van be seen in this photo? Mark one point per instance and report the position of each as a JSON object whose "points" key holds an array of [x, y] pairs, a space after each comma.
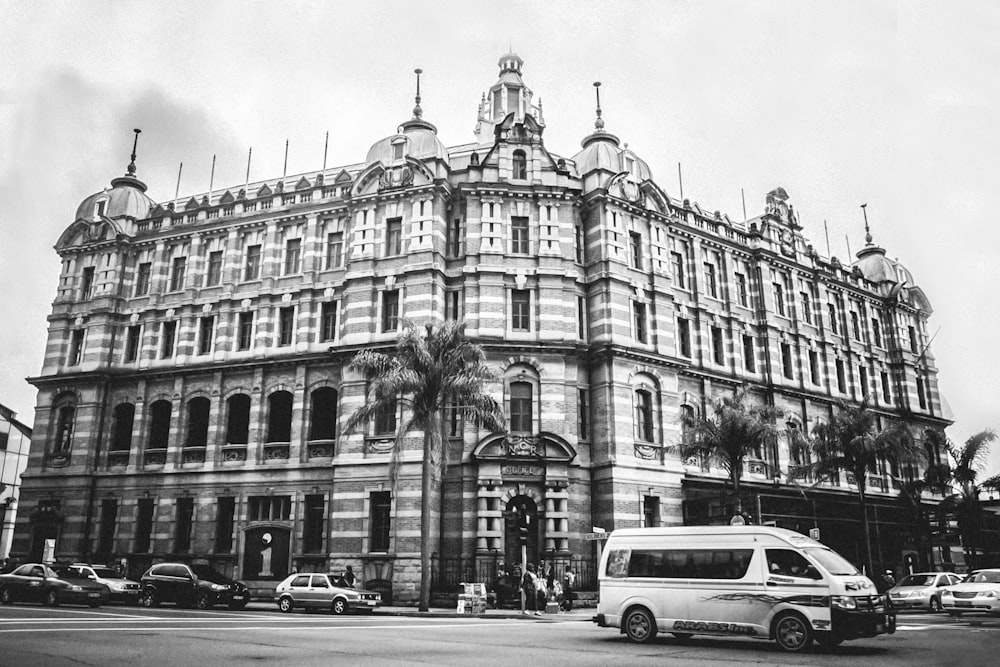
{"points": [[748, 581]]}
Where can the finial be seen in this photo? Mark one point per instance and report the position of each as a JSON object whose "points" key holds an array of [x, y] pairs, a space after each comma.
{"points": [[599, 123], [135, 143], [868, 233], [417, 111]]}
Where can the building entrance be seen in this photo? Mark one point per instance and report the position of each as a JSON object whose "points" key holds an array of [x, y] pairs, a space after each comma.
{"points": [[520, 523]]}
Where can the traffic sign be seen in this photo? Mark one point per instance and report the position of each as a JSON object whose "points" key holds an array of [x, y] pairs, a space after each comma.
{"points": [[595, 536]]}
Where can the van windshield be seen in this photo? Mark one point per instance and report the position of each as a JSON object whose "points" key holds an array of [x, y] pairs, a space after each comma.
{"points": [[832, 562]]}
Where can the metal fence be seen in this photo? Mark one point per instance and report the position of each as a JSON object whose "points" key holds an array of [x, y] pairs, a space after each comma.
{"points": [[448, 572]]}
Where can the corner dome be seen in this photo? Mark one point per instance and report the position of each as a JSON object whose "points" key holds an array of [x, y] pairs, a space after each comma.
{"points": [[601, 151], [419, 141], [878, 268], [125, 199]]}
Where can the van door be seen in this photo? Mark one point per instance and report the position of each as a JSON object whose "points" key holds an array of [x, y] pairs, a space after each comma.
{"points": [[792, 582], [726, 591]]}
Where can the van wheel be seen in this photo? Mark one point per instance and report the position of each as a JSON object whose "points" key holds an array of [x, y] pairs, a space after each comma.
{"points": [[639, 625], [683, 636], [285, 604], [934, 606], [792, 632]]}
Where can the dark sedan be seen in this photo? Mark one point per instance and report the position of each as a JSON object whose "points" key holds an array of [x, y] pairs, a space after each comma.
{"points": [[51, 585]]}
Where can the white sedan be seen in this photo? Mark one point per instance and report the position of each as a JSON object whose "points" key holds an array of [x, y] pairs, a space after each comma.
{"points": [[979, 592]]}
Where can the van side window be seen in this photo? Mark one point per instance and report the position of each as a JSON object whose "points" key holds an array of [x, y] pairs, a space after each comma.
{"points": [[788, 563], [689, 563]]}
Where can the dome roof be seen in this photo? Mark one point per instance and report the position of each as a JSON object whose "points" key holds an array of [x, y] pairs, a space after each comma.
{"points": [[601, 151], [126, 198], [878, 268], [420, 143]]}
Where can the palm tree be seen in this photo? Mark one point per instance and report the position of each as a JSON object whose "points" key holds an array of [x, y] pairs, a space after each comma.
{"points": [[934, 480], [967, 462], [427, 374], [733, 432], [853, 441]]}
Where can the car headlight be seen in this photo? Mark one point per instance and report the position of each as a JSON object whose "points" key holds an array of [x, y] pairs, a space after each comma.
{"points": [[76, 588], [843, 602], [987, 594], [218, 587]]}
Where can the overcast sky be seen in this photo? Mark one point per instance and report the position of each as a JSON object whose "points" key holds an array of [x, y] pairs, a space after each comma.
{"points": [[890, 104]]}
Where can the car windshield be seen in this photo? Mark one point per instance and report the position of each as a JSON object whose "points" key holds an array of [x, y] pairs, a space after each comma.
{"points": [[65, 572], [984, 578], [208, 574], [918, 580], [832, 562], [106, 573]]}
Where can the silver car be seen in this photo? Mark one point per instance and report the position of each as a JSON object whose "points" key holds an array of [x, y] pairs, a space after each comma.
{"points": [[323, 591], [922, 590], [980, 591]]}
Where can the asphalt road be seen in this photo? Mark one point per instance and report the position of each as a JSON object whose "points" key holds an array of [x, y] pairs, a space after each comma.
{"points": [[34, 635]]}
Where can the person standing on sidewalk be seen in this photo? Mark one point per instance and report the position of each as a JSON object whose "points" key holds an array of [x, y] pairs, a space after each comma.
{"points": [[529, 586], [569, 581]]}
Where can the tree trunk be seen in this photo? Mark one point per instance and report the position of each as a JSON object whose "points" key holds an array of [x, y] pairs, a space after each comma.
{"points": [[862, 498], [736, 490], [430, 491]]}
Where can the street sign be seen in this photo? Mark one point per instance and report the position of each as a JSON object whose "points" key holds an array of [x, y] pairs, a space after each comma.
{"points": [[595, 536], [814, 533]]}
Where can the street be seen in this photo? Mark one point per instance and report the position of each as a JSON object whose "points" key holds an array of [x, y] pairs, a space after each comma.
{"points": [[111, 635]]}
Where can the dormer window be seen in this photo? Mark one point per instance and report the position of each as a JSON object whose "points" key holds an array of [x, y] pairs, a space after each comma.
{"points": [[520, 165], [100, 208], [398, 149], [629, 165]]}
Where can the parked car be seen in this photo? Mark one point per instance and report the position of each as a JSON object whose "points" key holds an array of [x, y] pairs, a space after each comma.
{"points": [[191, 586], [323, 591], [922, 590], [51, 585], [122, 589], [980, 591]]}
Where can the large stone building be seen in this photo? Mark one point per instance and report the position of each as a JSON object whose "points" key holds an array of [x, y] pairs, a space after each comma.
{"points": [[15, 439], [196, 375]]}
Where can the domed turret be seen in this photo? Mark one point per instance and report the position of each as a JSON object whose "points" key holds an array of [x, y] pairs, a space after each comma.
{"points": [[126, 198], [602, 150], [875, 266], [507, 96], [415, 138]]}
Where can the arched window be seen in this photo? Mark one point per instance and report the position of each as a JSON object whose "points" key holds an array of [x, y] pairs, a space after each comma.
{"points": [[122, 419], [65, 422], [279, 417], [238, 421], [520, 407], [520, 165], [159, 424], [385, 419], [197, 418], [797, 445], [687, 419], [644, 415], [323, 414]]}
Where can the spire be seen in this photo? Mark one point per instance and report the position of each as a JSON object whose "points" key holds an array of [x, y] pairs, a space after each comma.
{"points": [[417, 111], [868, 231], [599, 122], [131, 165], [417, 122], [130, 178], [870, 248], [599, 133]]}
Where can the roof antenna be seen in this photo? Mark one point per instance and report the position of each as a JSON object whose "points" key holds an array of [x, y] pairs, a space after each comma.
{"points": [[131, 165], [599, 123], [417, 111], [868, 233]]}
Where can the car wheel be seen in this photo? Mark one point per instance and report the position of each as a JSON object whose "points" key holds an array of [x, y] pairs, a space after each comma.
{"points": [[339, 606], [202, 601], [639, 625], [934, 606], [6, 597], [792, 632], [52, 598], [149, 599], [285, 604]]}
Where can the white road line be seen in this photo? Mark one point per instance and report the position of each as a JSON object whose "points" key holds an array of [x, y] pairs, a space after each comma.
{"points": [[324, 628]]}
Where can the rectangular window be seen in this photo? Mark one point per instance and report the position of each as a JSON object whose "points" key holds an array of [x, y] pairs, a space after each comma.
{"points": [[142, 278], [913, 339], [741, 290], [182, 525], [206, 331], [718, 354], [749, 357], [519, 235], [214, 276], [286, 325], [269, 508], [132, 339], [293, 256], [334, 250], [677, 264], [390, 310], [863, 379], [856, 325], [786, 361], [453, 417], [454, 246], [453, 304], [779, 298], [684, 336], [244, 331], [109, 519], [635, 249], [886, 392], [581, 317], [814, 367], [87, 284], [393, 237], [639, 321], [168, 339], [379, 513], [583, 413], [328, 321], [681, 564], [921, 395], [521, 416], [806, 307], [177, 274], [651, 511], [143, 525], [841, 377], [580, 245], [520, 310], [711, 288], [385, 420], [225, 513], [643, 416], [313, 520], [76, 347], [876, 332], [251, 266], [833, 318]]}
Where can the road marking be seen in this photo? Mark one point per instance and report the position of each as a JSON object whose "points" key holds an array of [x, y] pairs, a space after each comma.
{"points": [[323, 628]]}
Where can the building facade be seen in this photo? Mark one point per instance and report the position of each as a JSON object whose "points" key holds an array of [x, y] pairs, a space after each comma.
{"points": [[15, 439], [196, 375]]}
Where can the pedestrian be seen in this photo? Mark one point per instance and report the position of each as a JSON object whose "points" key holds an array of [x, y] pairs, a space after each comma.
{"points": [[889, 580], [349, 577], [529, 586], [569, 582]]}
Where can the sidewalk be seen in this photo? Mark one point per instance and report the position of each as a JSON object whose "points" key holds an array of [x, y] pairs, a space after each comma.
{"points": [[578, 614]]}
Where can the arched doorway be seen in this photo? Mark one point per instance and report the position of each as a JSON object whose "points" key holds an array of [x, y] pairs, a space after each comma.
{"points": [[521, 512]]}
